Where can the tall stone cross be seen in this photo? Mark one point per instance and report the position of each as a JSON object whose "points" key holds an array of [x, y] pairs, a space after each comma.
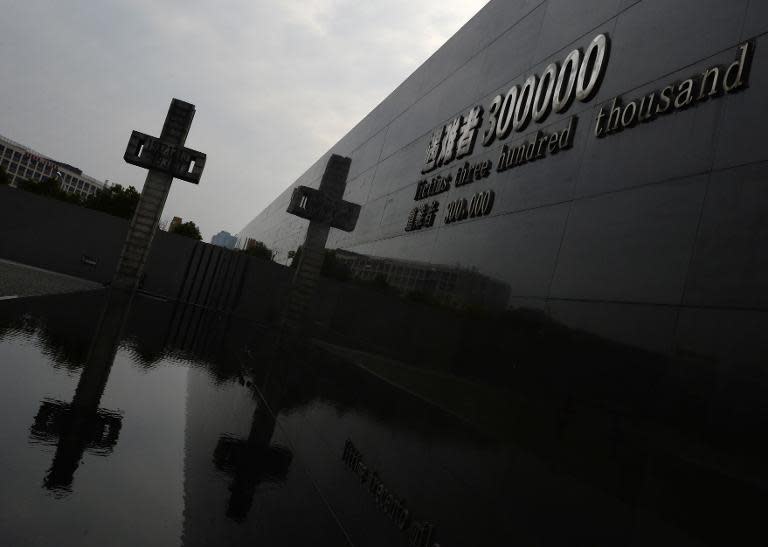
{"points": [[325, 209], [165, 158]]}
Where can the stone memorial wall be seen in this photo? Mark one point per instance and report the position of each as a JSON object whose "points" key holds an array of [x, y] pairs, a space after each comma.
{"points": [[602, 159]]}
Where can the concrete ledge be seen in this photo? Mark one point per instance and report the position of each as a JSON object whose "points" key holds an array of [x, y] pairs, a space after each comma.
{"points": [[17, 280]]}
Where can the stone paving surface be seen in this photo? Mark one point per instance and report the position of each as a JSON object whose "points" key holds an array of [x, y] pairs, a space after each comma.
{"points": [[22, 280]]}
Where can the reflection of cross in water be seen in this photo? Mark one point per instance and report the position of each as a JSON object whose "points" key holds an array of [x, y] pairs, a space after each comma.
{"points": [[81, 425], [165, 158], [254, 461], [73, 431], [325, 209], [251, 462]]}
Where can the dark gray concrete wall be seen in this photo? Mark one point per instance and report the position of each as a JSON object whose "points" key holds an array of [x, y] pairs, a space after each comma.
{"points": [[646, 236], [166, 264], [55, 236], [263, 291]]}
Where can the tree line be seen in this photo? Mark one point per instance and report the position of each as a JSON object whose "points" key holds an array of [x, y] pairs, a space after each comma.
{"points": [[115, 200]]}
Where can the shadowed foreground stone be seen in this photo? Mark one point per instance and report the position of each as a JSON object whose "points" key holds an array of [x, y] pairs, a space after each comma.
{"points": [[22, 280]]}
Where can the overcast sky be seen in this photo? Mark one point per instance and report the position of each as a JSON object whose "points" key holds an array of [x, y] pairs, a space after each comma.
{"points": [[275, 83]]}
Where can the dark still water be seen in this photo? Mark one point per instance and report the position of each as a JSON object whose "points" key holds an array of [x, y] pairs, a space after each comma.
{"points": [[152, 423]]}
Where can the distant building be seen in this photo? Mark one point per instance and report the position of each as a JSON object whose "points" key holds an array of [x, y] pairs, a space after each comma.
{"points": [[22, 163], [251, 243], [176, 221], [452, 285], [224, 239]]}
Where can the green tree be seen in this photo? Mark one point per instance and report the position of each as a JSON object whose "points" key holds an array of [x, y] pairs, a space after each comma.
{"points": [[187, 229], [294, 257], [49, 187], [115, 200], [4, 178], [259, 250]]}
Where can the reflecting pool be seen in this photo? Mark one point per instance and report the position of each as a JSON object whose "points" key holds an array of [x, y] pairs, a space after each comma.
{"points": [[135, 421]]}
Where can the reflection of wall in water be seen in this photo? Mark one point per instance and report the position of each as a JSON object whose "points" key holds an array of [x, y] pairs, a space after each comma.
{"points": [[453, 285], [240, 486], [65, 335], [653, 236]]}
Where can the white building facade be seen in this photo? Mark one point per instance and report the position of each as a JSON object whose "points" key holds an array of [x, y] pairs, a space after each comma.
{"points": [[23, 163]]}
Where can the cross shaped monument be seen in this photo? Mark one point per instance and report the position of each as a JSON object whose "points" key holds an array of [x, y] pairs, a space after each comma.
{"points": [[325, 209], [166, 158], [81, 426]]}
